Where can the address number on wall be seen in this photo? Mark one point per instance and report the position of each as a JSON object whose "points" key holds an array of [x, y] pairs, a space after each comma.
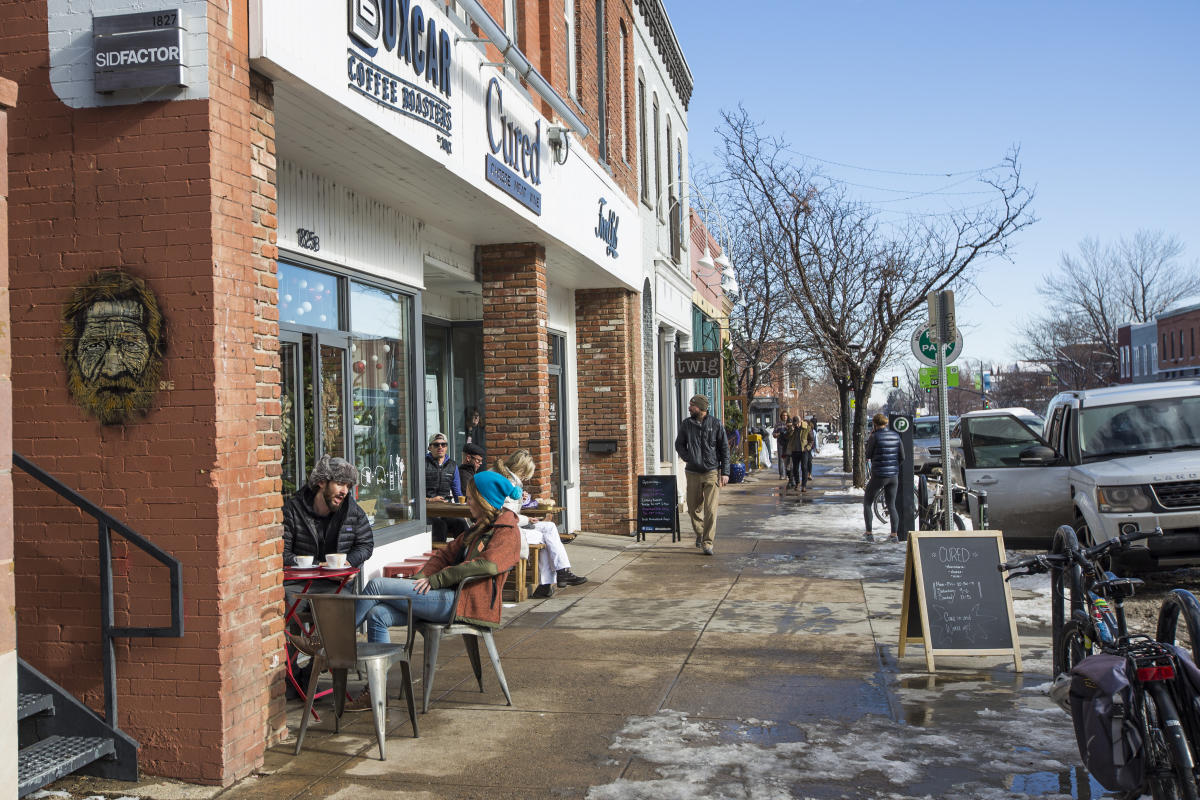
{"points": [[307, 239]]}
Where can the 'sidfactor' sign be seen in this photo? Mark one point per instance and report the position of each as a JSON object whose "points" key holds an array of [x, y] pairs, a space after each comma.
{"points": [[134, 51], [402, 61], [522, 153]]}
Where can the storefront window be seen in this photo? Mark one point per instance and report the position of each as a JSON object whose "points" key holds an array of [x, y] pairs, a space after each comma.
{"points": [[380, 385], [307, 297]]}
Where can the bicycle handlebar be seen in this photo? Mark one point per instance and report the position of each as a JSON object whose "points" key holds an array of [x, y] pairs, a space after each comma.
{"points": [[1083, 556]]}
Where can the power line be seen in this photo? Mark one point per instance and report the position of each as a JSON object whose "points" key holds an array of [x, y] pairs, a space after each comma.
{"points": [[893, 171]]}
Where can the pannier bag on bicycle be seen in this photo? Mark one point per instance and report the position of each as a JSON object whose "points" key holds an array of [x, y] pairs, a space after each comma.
{"points": [[1109, 741], [1187, 687]]}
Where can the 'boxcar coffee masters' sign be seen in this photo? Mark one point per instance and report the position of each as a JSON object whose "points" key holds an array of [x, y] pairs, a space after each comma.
{"points": [[134, 51]]}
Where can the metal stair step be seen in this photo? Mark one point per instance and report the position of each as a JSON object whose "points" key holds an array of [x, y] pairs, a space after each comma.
{"points": [[29, 703], [46, 761]]}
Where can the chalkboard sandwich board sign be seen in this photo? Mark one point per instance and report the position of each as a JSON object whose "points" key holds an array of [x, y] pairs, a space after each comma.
{"points": [[956, 602], [657, 506]]}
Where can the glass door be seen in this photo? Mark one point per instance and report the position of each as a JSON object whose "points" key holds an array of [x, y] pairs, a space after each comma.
{"points": [[558, 423], [313, 372], [437, 390], [292, 412]]}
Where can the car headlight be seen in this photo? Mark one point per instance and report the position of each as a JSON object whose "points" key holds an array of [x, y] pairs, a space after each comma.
{"points": [[1123, 499]]}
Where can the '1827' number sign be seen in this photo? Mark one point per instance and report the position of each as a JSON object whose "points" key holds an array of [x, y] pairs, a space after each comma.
{"points": [[307, 239]]}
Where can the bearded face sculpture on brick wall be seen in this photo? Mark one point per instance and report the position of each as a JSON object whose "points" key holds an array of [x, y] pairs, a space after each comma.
{"points": [[113, 342]]}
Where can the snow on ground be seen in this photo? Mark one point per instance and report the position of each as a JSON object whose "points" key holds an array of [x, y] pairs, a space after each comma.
{"points": [[873, 758]]}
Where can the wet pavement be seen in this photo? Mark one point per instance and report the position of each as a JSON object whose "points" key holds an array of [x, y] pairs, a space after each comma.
{"points": [[768, 670]]}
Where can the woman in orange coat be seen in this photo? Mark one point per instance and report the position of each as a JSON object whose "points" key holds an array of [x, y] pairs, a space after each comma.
{"points": [[491, 546]]}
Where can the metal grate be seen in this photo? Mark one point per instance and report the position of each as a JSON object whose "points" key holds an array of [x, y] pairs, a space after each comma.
{"points": [[1180, 494], [50, 759], [29, 703]]}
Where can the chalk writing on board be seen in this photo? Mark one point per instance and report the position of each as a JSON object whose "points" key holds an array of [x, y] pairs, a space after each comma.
{"points": [[964, 594], [656, 507]]}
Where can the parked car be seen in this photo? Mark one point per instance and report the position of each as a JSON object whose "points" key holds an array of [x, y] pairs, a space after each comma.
{"points": [[927, 443], [1105, 461]]}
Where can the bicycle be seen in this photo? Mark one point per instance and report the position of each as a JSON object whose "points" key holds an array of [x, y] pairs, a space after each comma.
{"points": [[1097, 624]]}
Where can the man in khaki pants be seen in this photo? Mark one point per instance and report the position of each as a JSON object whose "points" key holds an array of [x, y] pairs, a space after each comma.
{"points": [[702, 445]]}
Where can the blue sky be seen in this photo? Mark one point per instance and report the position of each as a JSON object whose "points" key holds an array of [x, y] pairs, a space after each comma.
{"points": [[1103, 99]]}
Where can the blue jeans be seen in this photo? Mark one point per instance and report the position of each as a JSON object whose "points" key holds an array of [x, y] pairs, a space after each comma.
{"points": [[436, 605]]}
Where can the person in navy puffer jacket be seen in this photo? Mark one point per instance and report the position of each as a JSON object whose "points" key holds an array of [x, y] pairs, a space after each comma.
{"points": [[885, 453]]}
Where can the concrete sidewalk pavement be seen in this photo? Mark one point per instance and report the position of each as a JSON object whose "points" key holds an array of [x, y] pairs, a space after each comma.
{"points": [[766, 670]]}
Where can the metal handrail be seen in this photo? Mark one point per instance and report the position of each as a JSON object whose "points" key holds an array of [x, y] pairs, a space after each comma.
{"points": [[108, 631]]}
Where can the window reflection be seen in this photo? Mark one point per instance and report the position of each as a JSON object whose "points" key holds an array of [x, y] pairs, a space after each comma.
{"points": [[380, 383], [307, 297]]}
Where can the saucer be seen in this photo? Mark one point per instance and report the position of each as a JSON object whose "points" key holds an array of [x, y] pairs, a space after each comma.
{"points": [[310, 566]]}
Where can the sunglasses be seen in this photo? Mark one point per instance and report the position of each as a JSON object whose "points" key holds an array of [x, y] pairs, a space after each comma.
{"points": [[439, 444]]}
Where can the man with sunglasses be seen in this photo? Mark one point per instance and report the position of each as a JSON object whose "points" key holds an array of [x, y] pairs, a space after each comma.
{"points": [[442, 483]]}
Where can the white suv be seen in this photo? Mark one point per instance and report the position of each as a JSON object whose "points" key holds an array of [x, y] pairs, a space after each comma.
{"points": [[1107, 460]]}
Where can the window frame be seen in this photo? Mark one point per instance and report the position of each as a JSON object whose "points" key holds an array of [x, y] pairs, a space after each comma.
{"points": [[345, 275]]}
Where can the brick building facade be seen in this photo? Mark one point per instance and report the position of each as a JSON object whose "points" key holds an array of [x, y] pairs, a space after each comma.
{"points": [[344, 264]]}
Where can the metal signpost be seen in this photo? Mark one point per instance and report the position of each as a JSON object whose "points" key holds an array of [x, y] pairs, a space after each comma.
{"points": [[943, 332]]}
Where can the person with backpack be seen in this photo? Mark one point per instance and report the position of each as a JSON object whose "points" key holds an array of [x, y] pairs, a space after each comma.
{"points": [[886, 453]]}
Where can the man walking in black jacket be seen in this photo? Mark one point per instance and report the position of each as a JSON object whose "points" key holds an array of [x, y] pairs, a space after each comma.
{"points": [[702, 445], [885, 452]]}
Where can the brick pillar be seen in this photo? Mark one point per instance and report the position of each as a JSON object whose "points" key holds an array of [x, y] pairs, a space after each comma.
{"points": [[608, 324], [8, 629], [516, 355]]}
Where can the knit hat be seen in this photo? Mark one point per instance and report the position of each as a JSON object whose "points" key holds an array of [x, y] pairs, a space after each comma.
{"points": [[337, 470], [495, 488], [472, 449], [700, 402]]}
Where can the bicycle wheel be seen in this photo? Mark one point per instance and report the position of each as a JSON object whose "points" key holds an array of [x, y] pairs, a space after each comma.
{"points": [[1078, 641], [1066, 586], [1169, 759], [1177, 603], [879, 507]]}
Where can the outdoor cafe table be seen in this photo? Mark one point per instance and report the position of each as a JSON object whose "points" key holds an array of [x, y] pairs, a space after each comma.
{"points": [[310, 576]]}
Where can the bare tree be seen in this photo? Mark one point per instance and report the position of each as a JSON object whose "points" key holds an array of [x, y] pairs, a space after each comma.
{"points": [[855, 283], [1096, 291]]}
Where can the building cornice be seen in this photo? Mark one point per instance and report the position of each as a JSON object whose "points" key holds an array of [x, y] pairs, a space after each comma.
{"points": [[655, 17]]}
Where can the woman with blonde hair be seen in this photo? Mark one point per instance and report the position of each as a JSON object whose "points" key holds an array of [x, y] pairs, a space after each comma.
{"points": [[554, 568], [489, 547]]}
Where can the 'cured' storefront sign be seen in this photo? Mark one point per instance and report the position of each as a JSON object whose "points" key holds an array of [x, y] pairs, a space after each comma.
{"points": [[401, 60]]}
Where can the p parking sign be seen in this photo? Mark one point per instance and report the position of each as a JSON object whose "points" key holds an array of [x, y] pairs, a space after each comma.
{"points": [[925, 350]]}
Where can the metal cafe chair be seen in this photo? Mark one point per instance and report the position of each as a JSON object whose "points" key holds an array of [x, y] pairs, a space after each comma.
{"points": [[432, 633], [340, 651]]}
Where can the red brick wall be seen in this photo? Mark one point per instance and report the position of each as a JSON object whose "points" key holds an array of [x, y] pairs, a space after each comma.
{"points": [[610, 391], [165, 190], [8, 631], [1179, 350], [517, 355]]}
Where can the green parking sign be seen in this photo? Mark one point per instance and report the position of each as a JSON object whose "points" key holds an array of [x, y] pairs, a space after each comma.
{"points": [[928, 378], [926, 351]]}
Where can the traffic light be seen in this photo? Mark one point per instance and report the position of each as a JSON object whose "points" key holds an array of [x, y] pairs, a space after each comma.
{"points": [[895, 381], [986, 402]]}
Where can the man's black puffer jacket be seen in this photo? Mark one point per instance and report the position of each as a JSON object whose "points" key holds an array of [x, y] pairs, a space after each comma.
{"points": [[885, 453], [304, 531]]}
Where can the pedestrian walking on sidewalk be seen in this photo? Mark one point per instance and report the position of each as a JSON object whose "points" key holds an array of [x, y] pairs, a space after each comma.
{"points": [[702, 445], [885, 453], [779, 434], [801, 442]]}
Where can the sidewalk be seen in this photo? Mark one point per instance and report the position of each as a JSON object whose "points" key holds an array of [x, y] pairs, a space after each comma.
{"points": [[768, 670]]}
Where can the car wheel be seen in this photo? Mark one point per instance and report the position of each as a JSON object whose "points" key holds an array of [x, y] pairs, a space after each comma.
{"points": [[1088, 540]]}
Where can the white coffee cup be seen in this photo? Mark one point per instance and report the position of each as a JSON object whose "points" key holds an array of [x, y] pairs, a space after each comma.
{"points": [[304, 561], [336, 560]]}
